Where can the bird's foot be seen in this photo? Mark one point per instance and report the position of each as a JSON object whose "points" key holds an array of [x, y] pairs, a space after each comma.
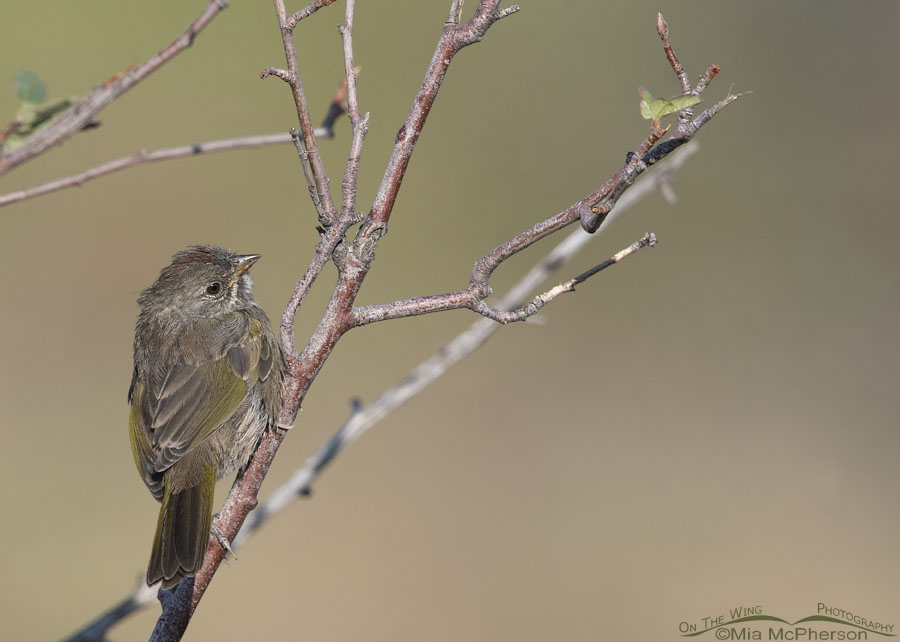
{"points": [[220, 537]]}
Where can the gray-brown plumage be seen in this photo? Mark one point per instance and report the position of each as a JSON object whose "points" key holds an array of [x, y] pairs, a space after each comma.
{"points": [[207, 383]]}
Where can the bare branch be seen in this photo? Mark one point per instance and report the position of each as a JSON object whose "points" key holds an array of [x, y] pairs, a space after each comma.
{"points": [[705, 79], [591, 211], [455, 13], [454, 38], [83, 112], [508, 11], [351, 174], [349, 67], [143, 157], [360, 125], [327, 212], [325, 130], [663, 29], [284, 74], [469, 298], [707, 115], [532, 308], [307, 173], [306, 12]]}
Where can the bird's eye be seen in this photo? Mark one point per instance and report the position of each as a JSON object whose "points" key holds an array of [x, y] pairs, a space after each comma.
{"points": [[213, 288]]}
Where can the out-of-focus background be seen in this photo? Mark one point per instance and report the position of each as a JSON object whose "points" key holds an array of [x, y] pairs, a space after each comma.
{"points": [[711, 424]]}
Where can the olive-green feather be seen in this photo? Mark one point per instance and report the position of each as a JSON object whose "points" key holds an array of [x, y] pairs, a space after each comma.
{"points": [[186, 415], [182, 532], [140, 445], [266, 358], [175, 411]]}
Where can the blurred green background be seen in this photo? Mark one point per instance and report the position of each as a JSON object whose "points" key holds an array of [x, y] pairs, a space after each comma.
{"points": [[711, 423]]}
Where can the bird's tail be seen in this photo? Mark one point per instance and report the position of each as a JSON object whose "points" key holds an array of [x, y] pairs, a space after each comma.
{"points": [[182, 532]]}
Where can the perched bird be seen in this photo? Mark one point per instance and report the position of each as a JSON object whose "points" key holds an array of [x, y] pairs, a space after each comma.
{"points": [[207, 383]]}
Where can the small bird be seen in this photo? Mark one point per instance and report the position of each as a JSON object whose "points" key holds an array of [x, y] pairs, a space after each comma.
{"points": [[207, 383]]}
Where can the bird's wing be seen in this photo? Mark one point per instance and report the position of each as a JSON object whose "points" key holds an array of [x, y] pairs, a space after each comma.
{"points": [[173, 413]]}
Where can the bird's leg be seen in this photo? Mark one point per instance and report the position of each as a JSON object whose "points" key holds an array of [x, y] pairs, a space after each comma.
{"points": [[220, 537]]}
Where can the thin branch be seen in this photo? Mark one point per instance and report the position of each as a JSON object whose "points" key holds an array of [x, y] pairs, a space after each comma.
{"points": [[663, 30], [325, 130], [591, 211], [297, 138], [360, 126], [705, 78], [647, 154], [144, 157], [532, 308], [284, 74], [346, 31], [454, 38], [306, 12], [364, 418], [508, 11], [472, 297], [455, 13], [469, 298], [83, 112], [292, 77], [708, 114]]}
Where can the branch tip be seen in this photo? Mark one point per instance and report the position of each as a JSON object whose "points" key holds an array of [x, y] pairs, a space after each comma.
{"points": [[663, 29], [311, 8], [284, 74], [508, 11]]}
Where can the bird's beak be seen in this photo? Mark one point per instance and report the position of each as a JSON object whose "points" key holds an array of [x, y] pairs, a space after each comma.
{"points": [[243, 264]]}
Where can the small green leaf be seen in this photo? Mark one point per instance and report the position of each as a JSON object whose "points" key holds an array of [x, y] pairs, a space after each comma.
{"points": [[682, 102], [31, 88], [32, 117], [655, 108]]}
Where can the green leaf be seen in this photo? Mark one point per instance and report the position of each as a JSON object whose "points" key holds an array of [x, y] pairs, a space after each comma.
{"points": [[30, 117], [31, 88], [655, 108]]}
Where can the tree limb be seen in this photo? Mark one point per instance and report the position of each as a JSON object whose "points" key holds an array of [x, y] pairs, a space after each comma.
{"points": [[144, 157]]}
